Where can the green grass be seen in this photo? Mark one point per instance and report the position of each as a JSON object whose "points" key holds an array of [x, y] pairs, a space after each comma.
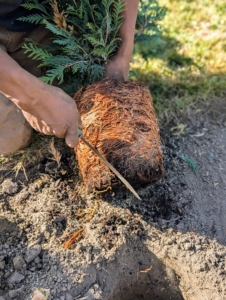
{"points": [[190, 63]]}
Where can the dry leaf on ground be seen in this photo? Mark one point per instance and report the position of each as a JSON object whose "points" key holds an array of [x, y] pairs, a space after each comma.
{"points": [[56, 153]]}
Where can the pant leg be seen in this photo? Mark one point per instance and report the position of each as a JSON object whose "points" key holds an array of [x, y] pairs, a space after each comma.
{"points": [[39, 35], [15, 131]]}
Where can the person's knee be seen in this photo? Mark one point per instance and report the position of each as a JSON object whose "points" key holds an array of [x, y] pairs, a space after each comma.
{"points": [[17, 139], [15, 131]]}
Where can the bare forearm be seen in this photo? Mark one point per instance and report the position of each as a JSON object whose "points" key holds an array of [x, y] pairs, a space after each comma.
{"points": [[16, 83], [118, 66], [127, 30]]}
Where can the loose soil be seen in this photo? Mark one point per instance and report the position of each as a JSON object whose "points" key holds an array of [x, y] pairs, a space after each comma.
{"points": [[170, 245]]}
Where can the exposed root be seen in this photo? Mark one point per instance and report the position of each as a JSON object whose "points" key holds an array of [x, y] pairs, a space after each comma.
{"points": [[146, 270], [103, 191], [89, 212], [76, 236]]}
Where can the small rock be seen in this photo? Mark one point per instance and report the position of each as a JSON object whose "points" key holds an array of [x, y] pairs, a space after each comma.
{"points": [[2, 265], [7, 274], [16, 277], [39, 266], [198, 247], [32, 253], [37, 260], [67, 297], [94, 293], [15, 293], [188, 247], [18, 262], [9, 187], [23, 196]]}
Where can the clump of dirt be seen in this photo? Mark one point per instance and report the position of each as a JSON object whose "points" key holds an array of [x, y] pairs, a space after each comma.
{"points": [[111, 224], [119, 120]]}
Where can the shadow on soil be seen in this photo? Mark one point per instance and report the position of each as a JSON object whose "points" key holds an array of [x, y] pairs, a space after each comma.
{"points": [[182, 84], [145, 277], [190, 197], [166, 50]]}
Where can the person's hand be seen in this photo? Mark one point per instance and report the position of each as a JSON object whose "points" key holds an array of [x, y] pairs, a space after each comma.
{"points": [[48, 109], [54, 113], [118, 67]]}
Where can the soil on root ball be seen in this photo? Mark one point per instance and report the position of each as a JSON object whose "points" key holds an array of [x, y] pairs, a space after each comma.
{"points": [[119, 120]]}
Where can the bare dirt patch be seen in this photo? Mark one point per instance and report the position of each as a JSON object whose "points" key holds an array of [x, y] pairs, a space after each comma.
{"points": [[171, 245]]}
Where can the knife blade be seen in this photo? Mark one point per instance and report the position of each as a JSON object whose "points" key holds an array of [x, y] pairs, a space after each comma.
{"points": [[126, 183]]}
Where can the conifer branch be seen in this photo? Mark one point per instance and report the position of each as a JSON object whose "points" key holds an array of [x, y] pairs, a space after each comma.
{"points": [[85, 36]]}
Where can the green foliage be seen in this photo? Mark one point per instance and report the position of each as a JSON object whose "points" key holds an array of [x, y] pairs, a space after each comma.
{"points": [[148, 32], [85, 36], [35, 4], [149, 13], [36, 52], [34, 18]]}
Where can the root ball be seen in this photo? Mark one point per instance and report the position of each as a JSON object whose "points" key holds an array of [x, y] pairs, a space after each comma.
{"points": [[119, 120]]}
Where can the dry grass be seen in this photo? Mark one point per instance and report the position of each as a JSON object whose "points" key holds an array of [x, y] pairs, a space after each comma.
{"points": [[40, 148]]}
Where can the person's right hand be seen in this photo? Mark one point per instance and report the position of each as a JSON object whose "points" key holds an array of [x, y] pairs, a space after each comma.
{"points": [[48, 109], [53, 112]]}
